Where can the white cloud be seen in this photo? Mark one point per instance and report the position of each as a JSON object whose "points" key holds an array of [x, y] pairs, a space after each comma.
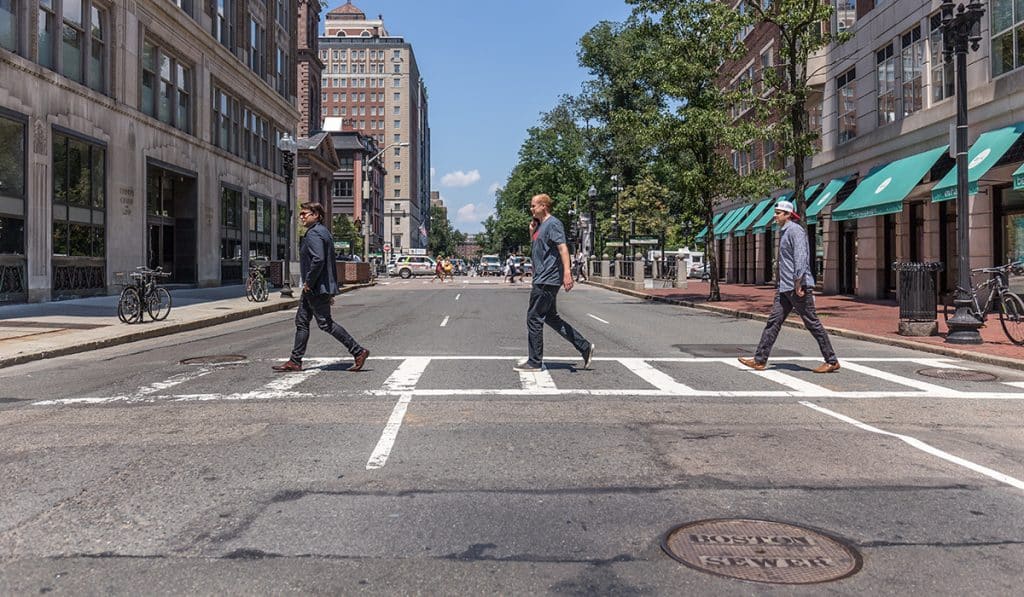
{"points": [[433, 171], [493, 188], [460, 178], [471, 214]]}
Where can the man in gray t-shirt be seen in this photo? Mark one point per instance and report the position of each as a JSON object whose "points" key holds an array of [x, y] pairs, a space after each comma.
{"points": [[550, 269]]}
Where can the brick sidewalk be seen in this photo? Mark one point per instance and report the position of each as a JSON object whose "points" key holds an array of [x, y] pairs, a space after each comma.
{"points": [[874, 320]]}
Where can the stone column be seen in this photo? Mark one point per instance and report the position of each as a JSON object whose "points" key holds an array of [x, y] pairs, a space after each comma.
{"points": [[638, 272]]}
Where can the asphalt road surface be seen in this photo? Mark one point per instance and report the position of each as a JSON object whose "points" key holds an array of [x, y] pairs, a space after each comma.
{"points": [[440, 470]]}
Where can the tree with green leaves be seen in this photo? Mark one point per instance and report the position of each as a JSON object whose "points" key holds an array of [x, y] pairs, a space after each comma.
{"points": [[342, 229], [800, 28], [691, 40]]}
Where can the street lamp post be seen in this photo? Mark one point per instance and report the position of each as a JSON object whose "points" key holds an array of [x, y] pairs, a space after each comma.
{"points": [[619, 230], [287, 146], [960, 31], [366, 195], [592, 221]]}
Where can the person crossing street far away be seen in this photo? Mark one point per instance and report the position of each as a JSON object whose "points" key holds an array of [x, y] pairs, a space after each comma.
{"points": [[319, 285], [550, 269], [794, 293]]}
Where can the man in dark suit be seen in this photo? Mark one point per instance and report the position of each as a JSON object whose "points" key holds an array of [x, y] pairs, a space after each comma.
{"points": [[319, 285]]}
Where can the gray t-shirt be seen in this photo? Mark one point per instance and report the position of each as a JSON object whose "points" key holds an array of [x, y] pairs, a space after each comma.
{"points": [[547, 263]]}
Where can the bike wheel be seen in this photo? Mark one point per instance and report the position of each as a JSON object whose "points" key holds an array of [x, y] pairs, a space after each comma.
{"points": [[129, 306], [1011, 316], [261, 291], [250, 295], [158, 303]]}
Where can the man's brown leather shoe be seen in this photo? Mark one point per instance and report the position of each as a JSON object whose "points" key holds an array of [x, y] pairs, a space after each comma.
{"points": [[360, 359], [288, 367], [749, 362], [827, 367]]}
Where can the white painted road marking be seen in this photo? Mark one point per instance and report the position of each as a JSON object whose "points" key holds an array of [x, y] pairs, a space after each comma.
{"points": [[539, 381], [596, 317], [920, 445], [903, 381], [380, 454], [457, 296], [805, 388], [657, 378], [444, 321]]}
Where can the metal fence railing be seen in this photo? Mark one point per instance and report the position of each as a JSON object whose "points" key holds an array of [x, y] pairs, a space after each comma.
{"points": [[626, 270]]}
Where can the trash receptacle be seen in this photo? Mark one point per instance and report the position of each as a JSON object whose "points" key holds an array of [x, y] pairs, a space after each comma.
{"points": [[275, 273], [917, 295]]}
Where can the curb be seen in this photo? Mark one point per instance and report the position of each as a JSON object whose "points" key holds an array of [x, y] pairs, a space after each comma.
{"points": [[841, 332], [184, 326]]}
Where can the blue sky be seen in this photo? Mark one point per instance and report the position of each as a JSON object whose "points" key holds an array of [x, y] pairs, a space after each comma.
{"points": [[491, 68]]}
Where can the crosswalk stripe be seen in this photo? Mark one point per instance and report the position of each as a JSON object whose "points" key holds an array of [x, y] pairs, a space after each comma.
{"points": [[903, 381], [405, 377], [656, 377], [801, 386], [407, 374], [537, 381]]}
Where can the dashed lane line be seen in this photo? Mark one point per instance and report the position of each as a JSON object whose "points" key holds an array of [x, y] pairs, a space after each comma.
{"points": [[444, 322], [596, 317]]}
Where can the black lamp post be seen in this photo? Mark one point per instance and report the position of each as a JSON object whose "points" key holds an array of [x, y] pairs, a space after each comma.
{"points": [[960, 31], [287, 147], [592, 224], [619, 232]]}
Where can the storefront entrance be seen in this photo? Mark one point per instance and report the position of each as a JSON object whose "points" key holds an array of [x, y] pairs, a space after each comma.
{"points": [[1010, 237], [171, 210], [848, 257]]}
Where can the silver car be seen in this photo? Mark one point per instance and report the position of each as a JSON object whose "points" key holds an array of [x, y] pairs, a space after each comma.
{"points": [[412, 265]]}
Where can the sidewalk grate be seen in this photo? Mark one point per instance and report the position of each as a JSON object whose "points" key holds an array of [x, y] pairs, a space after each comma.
{"points": [[958, 374], [761, 551]]}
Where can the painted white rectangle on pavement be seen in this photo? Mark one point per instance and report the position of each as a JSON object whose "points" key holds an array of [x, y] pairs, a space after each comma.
{"points": [[380, 454], [656, 377], [407, 374], [903, 381], [537, 381], [444, 322], [801, 386]]}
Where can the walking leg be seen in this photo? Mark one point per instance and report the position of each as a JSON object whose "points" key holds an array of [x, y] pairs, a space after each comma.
{"points": [[322, 312], [780, 310], [805, 308], [302, 317]]}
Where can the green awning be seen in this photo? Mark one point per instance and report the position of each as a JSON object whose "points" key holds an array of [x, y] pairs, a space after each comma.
{"points": [[714, 220], [882, 192], [752, 216], [826, 197], [984, 154], [1018, 178], [730, 221]]}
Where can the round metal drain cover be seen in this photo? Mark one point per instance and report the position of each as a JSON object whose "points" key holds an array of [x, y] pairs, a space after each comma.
{"points": [[761, 551], [216, 359], [958, 374]]}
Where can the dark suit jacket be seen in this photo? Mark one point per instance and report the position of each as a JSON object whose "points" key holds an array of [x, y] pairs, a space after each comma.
{"points": [[316, 261]]}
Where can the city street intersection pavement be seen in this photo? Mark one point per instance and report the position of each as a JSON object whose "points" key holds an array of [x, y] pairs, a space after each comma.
{"points": [[184, 465], [842, 315]]}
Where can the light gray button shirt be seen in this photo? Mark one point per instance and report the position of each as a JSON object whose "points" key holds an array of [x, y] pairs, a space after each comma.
{"points": [[794, 258]]}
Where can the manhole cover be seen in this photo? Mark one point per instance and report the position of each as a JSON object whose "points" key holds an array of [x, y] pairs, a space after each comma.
{"points": [[217, 359], [761, 551], [958, 374]]}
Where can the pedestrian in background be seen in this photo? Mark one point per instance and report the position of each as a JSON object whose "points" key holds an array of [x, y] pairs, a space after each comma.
{"points": [[550, 269], [795, 293], [438, 270], [319, 285], [510, 266]]}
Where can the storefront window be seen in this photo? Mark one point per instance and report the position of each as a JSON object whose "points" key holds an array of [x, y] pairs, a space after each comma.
{"points": [[230, 235], [12, 187], [79, 198], [259, 227]]}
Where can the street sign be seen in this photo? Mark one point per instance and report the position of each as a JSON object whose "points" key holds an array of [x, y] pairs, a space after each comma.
{"points": [[387, 247], [613, 243], [643, 241]]}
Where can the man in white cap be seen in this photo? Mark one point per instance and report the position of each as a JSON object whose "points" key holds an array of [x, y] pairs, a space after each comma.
{"points": [[794, 294]]}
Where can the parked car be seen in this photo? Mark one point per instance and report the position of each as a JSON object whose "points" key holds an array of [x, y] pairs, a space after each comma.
{"points": [[408, 266], [490, 265], [699, 270], [524, 266]]}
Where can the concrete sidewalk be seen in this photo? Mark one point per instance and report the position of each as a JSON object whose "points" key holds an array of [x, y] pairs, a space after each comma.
{"points": [[32, 331], [846, 316]]}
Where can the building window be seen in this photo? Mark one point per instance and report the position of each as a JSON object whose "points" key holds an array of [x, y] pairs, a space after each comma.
{"points": [[768, 154], [79, 198], [230, 234], [398, 150], [398, 138], [81, 52], [845, 15], [224, 23], [166, 87], [227, 116], [260, 226], [398, 207], [282, 70], [343, 187], [398, 221], [257, 48], [397, 68], [398, 179], [885, 69], [942, 71], [9, 24], [12, 186], [1007, 35], [913, 71], [846, 98], [398, 165]]}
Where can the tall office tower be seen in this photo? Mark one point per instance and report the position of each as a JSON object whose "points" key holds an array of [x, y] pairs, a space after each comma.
{"points": [[372, 81]]}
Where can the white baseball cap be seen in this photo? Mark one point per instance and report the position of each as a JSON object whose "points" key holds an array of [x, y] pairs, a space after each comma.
{"points": [[788, 207]]}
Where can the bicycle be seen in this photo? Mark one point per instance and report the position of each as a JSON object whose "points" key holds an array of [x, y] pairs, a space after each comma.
{"points": [[256, 288], [1011, 307], [143, 295]]}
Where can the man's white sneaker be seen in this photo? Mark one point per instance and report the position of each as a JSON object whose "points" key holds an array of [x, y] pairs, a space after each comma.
{"points": [[588, 356], [526, 367]]}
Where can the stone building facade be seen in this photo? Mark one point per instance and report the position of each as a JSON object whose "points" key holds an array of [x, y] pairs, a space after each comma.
{"points": [[884, 170], [141, 132]]}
